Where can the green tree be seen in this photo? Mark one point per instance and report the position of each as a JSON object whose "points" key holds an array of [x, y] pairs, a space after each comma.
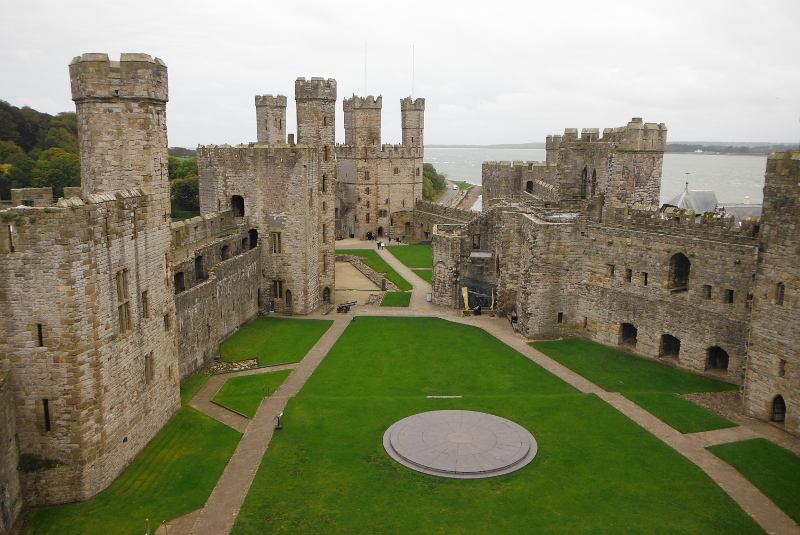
{"points": [[433, 183], [182, 167], [58, 169], [61, 138], [186, 194]]}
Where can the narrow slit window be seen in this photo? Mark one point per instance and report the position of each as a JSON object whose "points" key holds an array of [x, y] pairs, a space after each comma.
{"points": [[46, 407], [39, 334]]}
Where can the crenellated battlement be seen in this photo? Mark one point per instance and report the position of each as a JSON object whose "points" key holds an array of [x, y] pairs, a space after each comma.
{"points": [[134, 76], [277, 101], [674, 219], [315, 89], [377, 152], [409, 104], [358, 103]]}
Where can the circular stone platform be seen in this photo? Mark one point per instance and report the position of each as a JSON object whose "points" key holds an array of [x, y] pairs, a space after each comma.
{"points": [[459, 444]]}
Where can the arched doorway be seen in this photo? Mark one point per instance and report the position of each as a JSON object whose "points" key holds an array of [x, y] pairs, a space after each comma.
{"points": [[628, 334], [253, 236], [408, 228], [778, 409], [679, 267], [199, 270], [529, 186], [326, 295], [380, 231], [670, 347], [237, 206], [288, 297], [717, 358]]}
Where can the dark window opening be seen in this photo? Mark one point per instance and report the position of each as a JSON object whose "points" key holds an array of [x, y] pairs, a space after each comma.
{"points": [[326, 295], [199, 271], [180, 283], [584, 182], [628, 275], [277, 244], [780, 293], [560, 317], [237, 206], [529, 186], [717, 358], [585, 322], [594, 181], [244, 244], [145, 305], [610, 269], [149, 370], [476, 241], [166, 322], [39, 334], [277, 289], [644, 278], [628, 334], [670, 347], [778, 409], [679, 267], [253, 238], [707, 291], [729, 296], [225, 252], [46, 406], [288, 299]]}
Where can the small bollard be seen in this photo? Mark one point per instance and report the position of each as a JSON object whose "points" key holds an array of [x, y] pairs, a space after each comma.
{"points": [[278, 417]]}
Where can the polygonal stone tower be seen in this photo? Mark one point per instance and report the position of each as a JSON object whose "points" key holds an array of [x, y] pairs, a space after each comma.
{"points": [[121, 108], [413, 121], [316, 126], [362, 121], [271, 119]]}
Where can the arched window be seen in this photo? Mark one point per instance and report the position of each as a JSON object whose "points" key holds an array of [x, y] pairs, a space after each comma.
{"points": [[529, 186], [780, 292], [237, 206], [584, 182], [253, 238], [180, 284], [679, 267], [717, 358], [628, 334], [225, 252], [199, 271], [778, 409], [288, 297], [670, 347]]}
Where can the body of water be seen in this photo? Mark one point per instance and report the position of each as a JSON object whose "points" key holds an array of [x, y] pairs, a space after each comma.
{"points": [[733, 178]]}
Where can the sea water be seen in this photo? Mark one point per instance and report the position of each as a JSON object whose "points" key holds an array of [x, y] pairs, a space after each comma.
{"points": [[734, 178]]}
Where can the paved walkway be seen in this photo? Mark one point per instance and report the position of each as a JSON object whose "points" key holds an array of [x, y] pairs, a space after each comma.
{"points": [[219, 513]]}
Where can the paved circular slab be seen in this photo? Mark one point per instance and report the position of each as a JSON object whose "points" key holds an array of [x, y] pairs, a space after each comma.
{"points": [[460, 444]]}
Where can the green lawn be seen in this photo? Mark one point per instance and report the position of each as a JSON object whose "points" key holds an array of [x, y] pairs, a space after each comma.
{"points": [[772, 469], [173, 476], [191, 385], [244, 394], [425, 274], [413, 256], [596, 470], [463, 185], [650, 384], [396, 299], [373, 260], [273, 340], [679, 413]]}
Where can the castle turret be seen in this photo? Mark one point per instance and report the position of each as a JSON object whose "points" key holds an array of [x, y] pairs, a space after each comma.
{"points": [[362, 121], [413, 120], [271, 119], [121, 111]]}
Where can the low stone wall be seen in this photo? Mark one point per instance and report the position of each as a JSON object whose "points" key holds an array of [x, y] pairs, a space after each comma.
{"points": [[377, 278]]}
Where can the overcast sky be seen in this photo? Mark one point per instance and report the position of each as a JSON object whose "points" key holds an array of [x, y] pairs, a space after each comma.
{"points": [[491, 72]]}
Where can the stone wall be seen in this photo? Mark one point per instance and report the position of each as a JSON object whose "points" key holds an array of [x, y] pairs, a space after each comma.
{"points": [[774, 359], [377, 278], [10, 495]]}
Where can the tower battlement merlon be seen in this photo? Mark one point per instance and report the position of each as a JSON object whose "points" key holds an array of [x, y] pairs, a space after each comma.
{"points": [[638, 135], [134, 76], [277, 101], [412, 104], [357, 103], [315, 89]]}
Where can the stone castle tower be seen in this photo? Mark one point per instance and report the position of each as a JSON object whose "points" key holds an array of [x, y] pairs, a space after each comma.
{"points": [[86, 306], [375, 180]]}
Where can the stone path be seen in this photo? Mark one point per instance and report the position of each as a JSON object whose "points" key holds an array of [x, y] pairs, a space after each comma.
{"points": [[220, 512]]}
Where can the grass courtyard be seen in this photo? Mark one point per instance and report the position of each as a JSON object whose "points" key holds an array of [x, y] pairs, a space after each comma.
{"points": [[244, 394], [173, 476], [374, 260], [652, 385], [396, 299], [596, 471], [273, 340], [413, 256]]}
